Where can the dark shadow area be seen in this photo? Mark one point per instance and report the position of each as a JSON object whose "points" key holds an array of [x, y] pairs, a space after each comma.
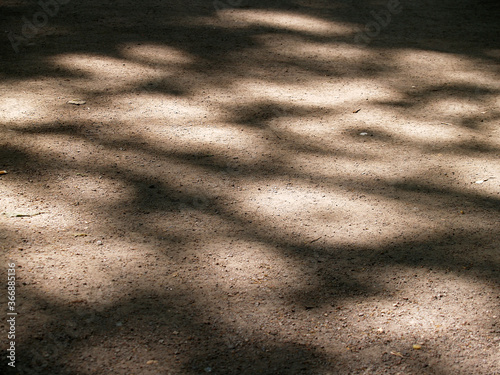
{"points": [[80, 329], [104, 27]]}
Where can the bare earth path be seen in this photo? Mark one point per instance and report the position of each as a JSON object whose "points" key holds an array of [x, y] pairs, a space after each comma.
{"points": [[287, 187]]}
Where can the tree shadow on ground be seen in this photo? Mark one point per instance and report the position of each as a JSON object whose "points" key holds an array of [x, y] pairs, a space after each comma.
{"points": [[333, 271]]}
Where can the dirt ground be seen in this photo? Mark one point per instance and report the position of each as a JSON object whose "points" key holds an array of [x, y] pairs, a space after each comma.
{"points": [[251, 187]]}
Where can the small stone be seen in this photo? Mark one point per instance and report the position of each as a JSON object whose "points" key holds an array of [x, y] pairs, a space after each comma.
{"points": [[363, 133], [99, 243], [76, 102], [417, 346]]}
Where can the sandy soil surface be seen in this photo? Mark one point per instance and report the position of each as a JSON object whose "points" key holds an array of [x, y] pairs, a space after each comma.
{"points": [[251, 187]]}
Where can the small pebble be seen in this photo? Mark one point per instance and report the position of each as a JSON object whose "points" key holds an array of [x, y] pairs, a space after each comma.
{"points": [[76, 102]]}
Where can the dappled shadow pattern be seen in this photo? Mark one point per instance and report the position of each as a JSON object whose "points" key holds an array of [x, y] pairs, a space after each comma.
{"points": [[186, 200]]}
